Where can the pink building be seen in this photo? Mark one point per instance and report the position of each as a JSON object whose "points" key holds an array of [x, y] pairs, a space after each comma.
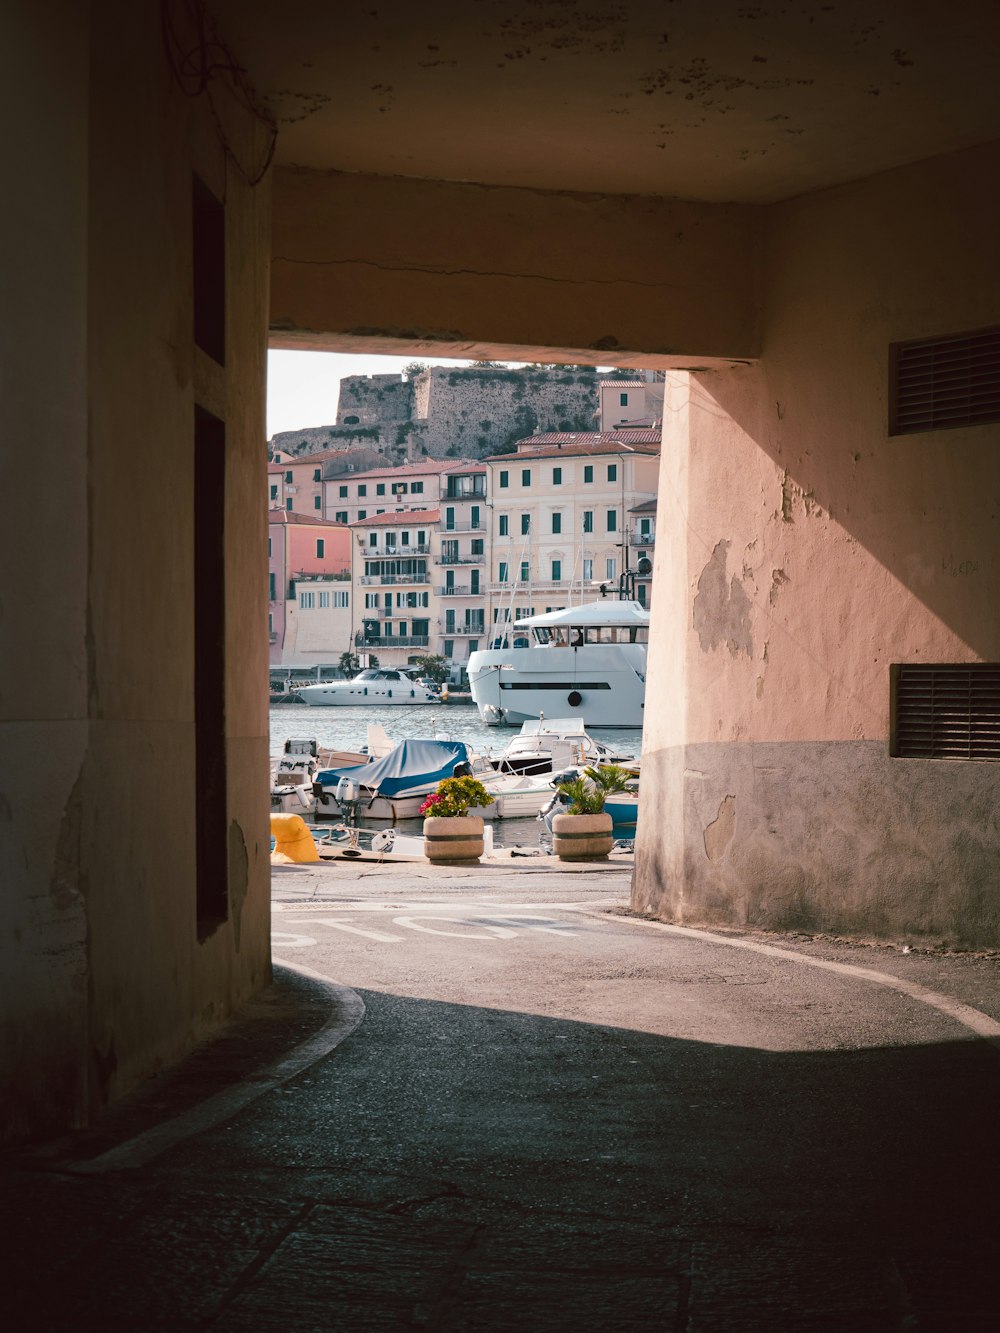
{"points": [[298, 544]]}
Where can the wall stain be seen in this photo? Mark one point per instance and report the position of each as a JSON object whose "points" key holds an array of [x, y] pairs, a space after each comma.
{"points": [[778, 579], [721, 610], [239, 878], [719, 834]]}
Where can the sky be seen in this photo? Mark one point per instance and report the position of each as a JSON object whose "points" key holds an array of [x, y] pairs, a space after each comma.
{"points": [[302, 387]]}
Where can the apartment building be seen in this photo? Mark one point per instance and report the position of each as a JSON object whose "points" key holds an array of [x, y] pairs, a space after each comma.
{"points": [[351, 497], [296, 484], [319, 621], [631, 403], [298, 546], [395, 608], [561, 507], [641, 541], [461, 560]]}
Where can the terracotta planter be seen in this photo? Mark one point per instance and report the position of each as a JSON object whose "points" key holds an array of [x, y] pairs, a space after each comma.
{"points": [[457, 841], [582, 837]]}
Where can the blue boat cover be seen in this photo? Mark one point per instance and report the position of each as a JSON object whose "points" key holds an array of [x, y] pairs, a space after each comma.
{"points": [[410, 764]]}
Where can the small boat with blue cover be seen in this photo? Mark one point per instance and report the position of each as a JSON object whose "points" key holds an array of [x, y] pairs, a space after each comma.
{"points": [[393, 787]]}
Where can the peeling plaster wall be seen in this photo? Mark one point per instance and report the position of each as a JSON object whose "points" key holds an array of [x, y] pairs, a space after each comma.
{"points": [[816, 552], [369, 263], [104, 978]]}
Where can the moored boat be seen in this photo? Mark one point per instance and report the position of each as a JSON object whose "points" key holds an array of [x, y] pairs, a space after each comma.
{"points": [[374, 685], [585, 661]]}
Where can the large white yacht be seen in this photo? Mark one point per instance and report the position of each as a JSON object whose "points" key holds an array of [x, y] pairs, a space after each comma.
{"points": [[584, 661], [376, 685]]}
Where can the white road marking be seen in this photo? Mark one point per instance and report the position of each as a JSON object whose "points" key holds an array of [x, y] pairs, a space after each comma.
{"points": [[284, 939], [499, 932], [377, 935], [448, 905], [973, 1019]]}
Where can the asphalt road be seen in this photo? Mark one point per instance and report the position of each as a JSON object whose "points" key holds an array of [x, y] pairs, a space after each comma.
{"points": [[554, 1116]]}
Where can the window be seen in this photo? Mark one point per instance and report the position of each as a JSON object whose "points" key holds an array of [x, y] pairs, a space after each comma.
{"points": [[449, 647], [417, 488], [612, 567], [274, 492], [623, 400], [270, 552], [449, 552], [612, 520], [307, 600], [557, 523], [288, 503], [340, 516], [402, 629], [373, 539], [362, 490], [351, 421], [473, 646], [362, 513], [474, 583], [272, 595], [380, 488], [504, 478], [390, 541], [372, 600], [324, 599], [317, 502], [641, 591], [316, 474], [476, 516], [504, 525], [556, 571], [501, 574], [449, 519], [342, 492], [525, 571], [588, 472], [588, 520], [557, 476], [526, 476], [320, 548], [525, 524], [399, 488], [421, 536], [588, 571], [612, 472], [478, 546], [288, 478], [342, 598]]}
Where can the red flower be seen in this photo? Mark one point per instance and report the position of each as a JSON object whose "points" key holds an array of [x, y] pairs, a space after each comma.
{"points": [[432, 800]]}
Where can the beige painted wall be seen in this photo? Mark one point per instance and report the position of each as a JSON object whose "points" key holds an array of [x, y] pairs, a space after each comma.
{"points": [[815, 551], [369, 263], [100, 954]]}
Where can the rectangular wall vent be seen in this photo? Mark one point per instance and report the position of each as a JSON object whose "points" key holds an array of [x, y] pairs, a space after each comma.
{"points": [[940, 383], [945, 712]]}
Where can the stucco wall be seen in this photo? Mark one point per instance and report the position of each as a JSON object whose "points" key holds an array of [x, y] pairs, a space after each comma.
{"points": [[800, 552], [100, 952]]}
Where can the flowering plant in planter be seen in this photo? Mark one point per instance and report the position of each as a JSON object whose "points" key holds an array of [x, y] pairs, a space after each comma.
{"points": [[454, 797]]}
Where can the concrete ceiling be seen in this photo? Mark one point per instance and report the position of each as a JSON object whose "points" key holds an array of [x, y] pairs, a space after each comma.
{"points": [[700, 99]]}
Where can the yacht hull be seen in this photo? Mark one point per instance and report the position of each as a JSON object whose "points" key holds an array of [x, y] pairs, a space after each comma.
{"points": [[604, 684]]}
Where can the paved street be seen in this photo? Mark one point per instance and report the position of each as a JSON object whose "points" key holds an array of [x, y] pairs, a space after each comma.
{"points": [[550, 1116]]}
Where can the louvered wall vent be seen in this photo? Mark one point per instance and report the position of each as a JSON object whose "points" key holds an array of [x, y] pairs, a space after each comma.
{"points": [[945, 712], [938, 383]]}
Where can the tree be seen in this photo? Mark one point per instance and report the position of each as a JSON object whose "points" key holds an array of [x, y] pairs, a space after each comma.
{"points": [[486, 365], [413, 369], [349, 664], [434, 668]]}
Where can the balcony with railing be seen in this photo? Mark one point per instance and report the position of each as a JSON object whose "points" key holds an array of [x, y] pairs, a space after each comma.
{"points": [[466, 488], [392, 580], [362, 640], [387, 552], [530, 587], [463, 523], [456, 590], [461, 560], [636, 537], [475, 628]]}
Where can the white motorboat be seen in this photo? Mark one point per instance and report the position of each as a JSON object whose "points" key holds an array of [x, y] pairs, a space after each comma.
{"points": [[375, 685], [589, 660], [294, 772], [550, 744]]}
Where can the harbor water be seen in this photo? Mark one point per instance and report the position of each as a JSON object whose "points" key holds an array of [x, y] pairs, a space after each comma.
{"points": [[346, 729]]}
